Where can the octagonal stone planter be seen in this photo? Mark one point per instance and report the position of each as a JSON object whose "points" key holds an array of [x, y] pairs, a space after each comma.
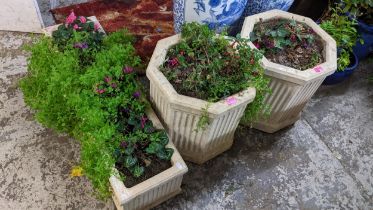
{"points": [[291, 88], [154, 190], [180, 114]]}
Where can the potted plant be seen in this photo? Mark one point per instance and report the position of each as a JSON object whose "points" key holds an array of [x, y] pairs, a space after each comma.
{"points": [[362, 10], [298, 55], [200, 85], [84, 85], [342, 29]]}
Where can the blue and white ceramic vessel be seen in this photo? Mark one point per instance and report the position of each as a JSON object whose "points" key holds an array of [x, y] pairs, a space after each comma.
{"points": [[258, 6], [215, 13]]}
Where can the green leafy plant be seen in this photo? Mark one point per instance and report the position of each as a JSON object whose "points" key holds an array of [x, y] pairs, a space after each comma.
{"points": [[358, 8], [213, 67], [73, 24], [285, 38], [98, 102], [342, 29]]}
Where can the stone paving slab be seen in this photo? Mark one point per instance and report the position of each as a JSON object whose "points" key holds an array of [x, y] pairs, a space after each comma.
{"points": [[312, 165], [342, 115]]}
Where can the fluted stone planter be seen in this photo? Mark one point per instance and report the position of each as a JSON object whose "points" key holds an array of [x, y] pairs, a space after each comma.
{"points": [[291, 88], [154, 190], [180, 114]]}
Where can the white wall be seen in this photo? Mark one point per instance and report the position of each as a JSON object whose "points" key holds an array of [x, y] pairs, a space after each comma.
{"points": [[20, 15]]}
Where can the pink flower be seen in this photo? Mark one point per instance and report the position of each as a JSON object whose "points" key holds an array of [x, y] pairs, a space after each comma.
{"points": [[100, 91], [143, 121], [293, 38], [76, 27], [257, 45], [173, 62], [107, 79], [71, 18], [82, 19], [127, 70], [114, 85], [231, 100], [97, 26]]}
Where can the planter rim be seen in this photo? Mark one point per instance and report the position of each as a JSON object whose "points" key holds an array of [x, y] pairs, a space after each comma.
{"points": [[153, 72], [291, 74], [178, 168]]}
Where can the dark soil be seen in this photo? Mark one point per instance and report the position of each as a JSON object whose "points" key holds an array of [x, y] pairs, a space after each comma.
{"points": [[157, 166], [302, 56]]}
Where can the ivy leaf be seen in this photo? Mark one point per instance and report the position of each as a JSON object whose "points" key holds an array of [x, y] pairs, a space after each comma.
{"points": [[153, 148], [163, 138], [282, 32], [273, 33], [130, 161], [148, 127], [132, 120], [165, 154], [129, 149]]}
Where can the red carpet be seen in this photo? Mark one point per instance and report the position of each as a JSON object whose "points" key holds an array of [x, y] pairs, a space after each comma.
{"points": [[148, 20]]}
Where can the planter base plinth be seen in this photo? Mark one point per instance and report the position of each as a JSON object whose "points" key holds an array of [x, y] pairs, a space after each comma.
{"points": [[274, 127], [201, 158], [156, 203]]}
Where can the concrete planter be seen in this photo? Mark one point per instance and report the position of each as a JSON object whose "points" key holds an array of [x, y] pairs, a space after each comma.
{"points": [[180, 114], [291, 88], [154, 190]]}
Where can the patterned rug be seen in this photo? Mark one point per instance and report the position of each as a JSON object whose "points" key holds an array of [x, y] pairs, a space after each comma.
{"points": [[148, 20]]}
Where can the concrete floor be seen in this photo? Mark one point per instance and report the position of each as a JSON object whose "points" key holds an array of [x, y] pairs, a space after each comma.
{"points": [[324, 161]]}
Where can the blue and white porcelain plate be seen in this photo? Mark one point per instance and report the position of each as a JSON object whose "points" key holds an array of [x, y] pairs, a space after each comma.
{"points": [[258, 6], [215, 13]]}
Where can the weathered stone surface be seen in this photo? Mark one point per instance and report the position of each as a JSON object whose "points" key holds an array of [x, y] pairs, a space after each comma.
{"points": [[342, 115]]}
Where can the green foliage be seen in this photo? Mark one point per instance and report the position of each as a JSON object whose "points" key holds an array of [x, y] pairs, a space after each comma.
{"points": [[357, 7], [65, 32], [281, 33], [342, 29], [51, 75], [212, 67], [282, 37], [93, 94]]}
